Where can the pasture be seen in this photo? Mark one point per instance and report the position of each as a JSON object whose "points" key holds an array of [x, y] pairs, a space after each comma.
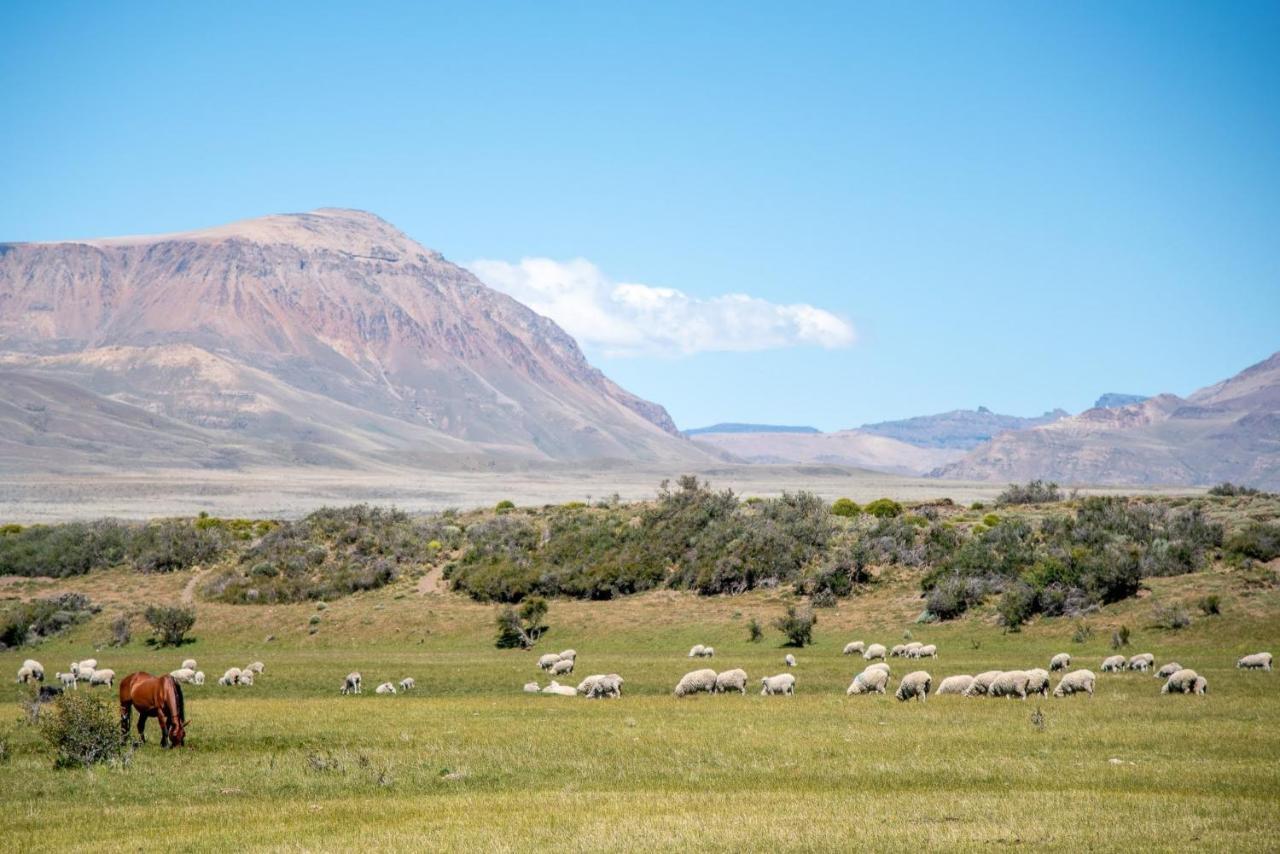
{"points": [[469, 762]]}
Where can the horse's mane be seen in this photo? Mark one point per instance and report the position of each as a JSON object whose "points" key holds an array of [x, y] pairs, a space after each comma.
{"points": [[177, 689]]}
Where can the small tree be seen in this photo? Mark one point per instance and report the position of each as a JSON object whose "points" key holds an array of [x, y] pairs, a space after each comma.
{"points": [[797, 626], [521, 628], [170, 623]]}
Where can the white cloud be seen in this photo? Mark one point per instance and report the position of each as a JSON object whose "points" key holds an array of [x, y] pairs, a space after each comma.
{"points": [[623, 319]]}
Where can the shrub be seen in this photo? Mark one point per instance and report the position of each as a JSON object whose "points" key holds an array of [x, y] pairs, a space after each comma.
{"points": [[504, 506], [522, 628], [1082, 633], [170, 623], [174, 544], [59, 551], [1229, 489], [1120, 637], [1171, 617], [977, 505], [845, 507], [1258, 540], [1035, 492], [755, 632], [823, 599], [1210, 605], [883, 508], [30, 622], [84, 730], [949, 598], [797, 626], [121, 630], [1017, 605]]}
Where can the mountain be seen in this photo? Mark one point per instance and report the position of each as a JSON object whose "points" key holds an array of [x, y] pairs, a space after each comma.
{"points": [[1228, 431], [960, 428], [325, 337], [843, 447], [1112, 400], [733, 427]]}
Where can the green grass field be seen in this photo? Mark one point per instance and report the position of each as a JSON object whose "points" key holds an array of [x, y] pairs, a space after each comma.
{"points": [[469, 762]]}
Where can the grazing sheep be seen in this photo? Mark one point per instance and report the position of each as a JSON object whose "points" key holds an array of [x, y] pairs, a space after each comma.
{"points": [[873, 680], [880, 665], [1185, 681], [68, 679], [783, 683], [246, 678], [855, 647], [954, 685], [189, 664], [876, 650], [36, 668], [89, 664], [408, 683], [1168, 670], [1201, 686], [183, 674], [569, 654], [1075, 682], [546, 662], [231, 677], [1257, 661], [25, 675], [103, 677], [531, 687], [981, 684], [1038, 681], [929, 650], [561, 667], [350, 685], [85, 674], [695, 651], [898, 650], [912, 650], [696, 682], [1143, 661], [559, 690], [1114, 664], [1061, 661], [915, 684], [732, 680], [709, 652], [256, 667], [601, 685], [1011, 683], [789, 660], [198, 679], [385, 688]]}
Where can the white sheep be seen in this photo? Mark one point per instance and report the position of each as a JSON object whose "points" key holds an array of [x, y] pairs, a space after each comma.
{"points": [[695, 651], [1038, 681], [912, 650], [531, 687], [68, 680], [183, 674], [85, 674], [256, 667], [408, 683], [1257, 661], [189, 664], [1010, 683], [562, 667], [546, 662], [601, 685], [1061, 661], [898, 650], [695, 682], [103, 677], [870, 681], [198, 679], [36, 668], [231, 677], [731, 680], [350, 685], [570, 654], [1114, 664], [1201, 686], [246, 678], [876, 650], [881, 665], [1168, 670], [708, 652], [25, 675], [954, 685], [559, 690], [928, 650], [1185, 681], [783, 683], [1143, 661], [855, 648], [1075, 682], [981, 684], [789, 660], [915, 684], [385, 688], [89, 664]]}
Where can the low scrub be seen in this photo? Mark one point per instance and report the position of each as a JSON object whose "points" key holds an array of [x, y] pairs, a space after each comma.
{"points": [[24, 623], [84, 729]]}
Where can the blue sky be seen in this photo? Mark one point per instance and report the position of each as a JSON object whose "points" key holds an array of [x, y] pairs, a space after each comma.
{"points": [[1016, 205]]}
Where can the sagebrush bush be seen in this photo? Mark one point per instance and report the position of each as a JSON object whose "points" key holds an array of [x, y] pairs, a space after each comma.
{"points": [[1257, 540], [84, 729], [1035, 492], [883, 508], [845, 507], [170, 623], [797, 626], [1210, 605], [755, 632], [1171, 617], [30, 622]]}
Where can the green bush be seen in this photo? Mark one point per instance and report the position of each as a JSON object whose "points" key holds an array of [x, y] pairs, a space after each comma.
{"points": [[883, 508], [1210, 605], [845, 507], [755, 632], [170, 623], [504, 506], [30, 622], [521, 628], [59, 551], [1229, 489], [1017, 605], [171, 545], [1258, 540], [1035, 492], [1171, 617], [797, 626], [84, 730]]}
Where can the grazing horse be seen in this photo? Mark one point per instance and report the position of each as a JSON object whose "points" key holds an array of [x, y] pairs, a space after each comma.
{"points": [[158, 697]]}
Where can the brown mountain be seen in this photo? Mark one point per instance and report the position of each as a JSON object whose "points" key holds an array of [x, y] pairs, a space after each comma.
{"points": [[326, 337], [1228, 431]]}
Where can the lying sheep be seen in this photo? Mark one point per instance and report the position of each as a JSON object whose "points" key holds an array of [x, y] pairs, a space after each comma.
{"points": [[546, 662], [1075, 682], [36, 668], [103, 677], [789, 660], [915, 684], [1114, 664], [876, 650], [189, 664], [981, 683], [1061, 661], [954, 685], [898, 650], [601, 685], [1011, 683], [246, 678], [1185, 681], [408, 683], [928, 650], [559, 690], [783, 683], [1168, 670], [731, 680], [231, 677], [256, 667], [1143, 662], [562, 667], [385, 688], [873, 680], [696, 682], [350, 685], [1257, 661], [69, 680], [531, 687], [183, 675], [198, 679], [855, 647]]}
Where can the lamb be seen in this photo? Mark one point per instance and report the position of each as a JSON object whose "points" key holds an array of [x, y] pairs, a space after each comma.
{"points": [[385, 688], [1075, 682], [183, 674], [531, 687], [231, 677], [783, 683], [898, 650], [1061, 661], [981, 683], [1183, 682], [1168, 670], [559, 690], [1257, 661], [1114, 664], [1038, 681], [189, 664], [731, 680], [198, 679], [696, 682], [954, 685], [871, 680], [36, 668], [789, 660], [350, 685], [546, 662], [256, 667], [929, 650], [103, 677], [915, 684], [408, 683], [876, 650], [1143, 661], [1011, 683], [246, 678], [561, 667], [68, 680], [601, 685], [854, 647]]}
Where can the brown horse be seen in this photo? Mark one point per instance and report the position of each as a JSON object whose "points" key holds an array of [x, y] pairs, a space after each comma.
{"points": [[158, 697]]}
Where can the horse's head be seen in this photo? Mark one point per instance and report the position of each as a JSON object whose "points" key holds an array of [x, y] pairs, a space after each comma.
{"points": [[178, 732]]}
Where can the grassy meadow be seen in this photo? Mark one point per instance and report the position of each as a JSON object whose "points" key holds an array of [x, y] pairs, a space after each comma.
{"points": [[469, 762]]}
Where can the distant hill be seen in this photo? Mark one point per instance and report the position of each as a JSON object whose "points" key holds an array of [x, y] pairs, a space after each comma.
{"points": [[733, 427], [842, 448], [959, 429], [1112, 400]]}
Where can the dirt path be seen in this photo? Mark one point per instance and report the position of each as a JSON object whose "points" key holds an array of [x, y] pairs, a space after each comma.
{"points": [[432, 582], [189, 589]]}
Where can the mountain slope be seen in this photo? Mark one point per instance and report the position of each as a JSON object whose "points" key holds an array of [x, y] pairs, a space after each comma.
{"points": [[734, 427], [959, 428], [1227, 431], [843, 447], [329, 331]]}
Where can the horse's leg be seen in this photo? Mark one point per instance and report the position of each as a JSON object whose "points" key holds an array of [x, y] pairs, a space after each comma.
{"points": [[163, 722], [126, 709], [142, 723]]}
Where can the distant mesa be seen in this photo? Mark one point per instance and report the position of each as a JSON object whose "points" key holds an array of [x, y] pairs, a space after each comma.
{"points": [[1114, 400], [734, 427], [958, 429]]}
